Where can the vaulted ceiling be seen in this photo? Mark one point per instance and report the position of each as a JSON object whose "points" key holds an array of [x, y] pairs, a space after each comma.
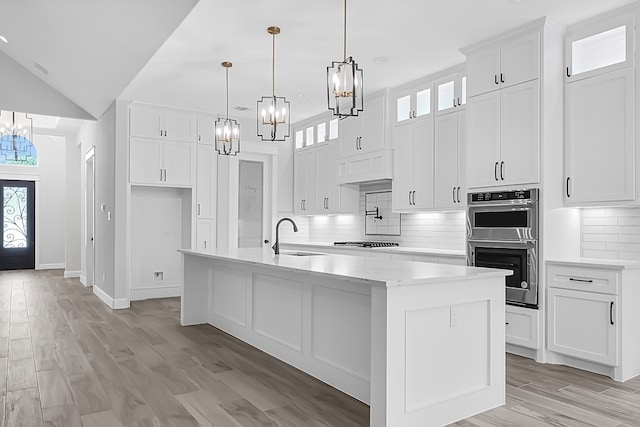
{"points": [[169, 51]]}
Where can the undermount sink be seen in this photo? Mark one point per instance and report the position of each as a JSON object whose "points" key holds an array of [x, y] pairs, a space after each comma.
{"points": [[300, 253]]}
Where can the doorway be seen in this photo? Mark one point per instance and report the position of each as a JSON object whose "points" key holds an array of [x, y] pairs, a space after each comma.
{"points": [[90, 217], [17, 251]]}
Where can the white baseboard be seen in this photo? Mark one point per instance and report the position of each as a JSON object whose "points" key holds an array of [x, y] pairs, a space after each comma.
{"points": [[137, 294], [70, 274], [50, 266], [114, 304], [83, 281]]}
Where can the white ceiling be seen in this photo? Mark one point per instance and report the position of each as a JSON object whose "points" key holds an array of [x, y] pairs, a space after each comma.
{"points": [[93, 48]]}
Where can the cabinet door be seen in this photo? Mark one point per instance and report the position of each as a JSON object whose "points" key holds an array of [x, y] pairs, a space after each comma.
{"points": [[145, 161], [584, 325], [403, 107], [520, 134], [599, 141], [402, 184], [145, 122], [422, 159], [205, 130], [205, 180], [350, 134], [520, 60], [180, 126], [300, 181], [483, 71], [373, 125], [179, 163], [333, 189], [320, 179], [483, 140], [446, 161], [205, 235]]}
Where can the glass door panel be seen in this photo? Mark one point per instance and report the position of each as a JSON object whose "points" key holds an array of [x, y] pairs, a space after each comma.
{"points": [[403, 108], [17, 251], [446, 95], [423, 102], [599, 50], [250, 204]]}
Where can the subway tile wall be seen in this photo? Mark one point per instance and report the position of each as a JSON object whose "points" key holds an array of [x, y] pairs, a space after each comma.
{"points": [[610, 233], [437, 230]]}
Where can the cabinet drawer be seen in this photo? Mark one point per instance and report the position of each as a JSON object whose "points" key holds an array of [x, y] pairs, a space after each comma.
{"points": [[583, 279], [521, 327]]}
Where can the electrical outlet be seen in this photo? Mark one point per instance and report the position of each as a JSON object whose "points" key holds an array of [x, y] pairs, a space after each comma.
{"points": [[453, 317], [104, 276], [108, 216], [158, 275], [103, 207]]}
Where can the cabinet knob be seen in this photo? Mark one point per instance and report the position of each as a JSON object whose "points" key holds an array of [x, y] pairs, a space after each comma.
{"points": [[266, 240]]}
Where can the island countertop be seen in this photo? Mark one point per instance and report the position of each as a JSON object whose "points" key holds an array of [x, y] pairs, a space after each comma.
{"points": [[381, 272]]}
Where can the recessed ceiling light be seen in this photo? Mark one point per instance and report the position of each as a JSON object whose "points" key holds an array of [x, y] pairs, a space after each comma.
{"points": [[4, 39], [241, 108], [381, 60]]}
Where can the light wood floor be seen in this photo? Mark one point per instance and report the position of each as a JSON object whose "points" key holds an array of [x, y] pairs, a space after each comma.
{"points": [[67, 360]]}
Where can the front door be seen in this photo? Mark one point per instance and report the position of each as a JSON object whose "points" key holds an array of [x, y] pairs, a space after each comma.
{"points": [[17, 251]]}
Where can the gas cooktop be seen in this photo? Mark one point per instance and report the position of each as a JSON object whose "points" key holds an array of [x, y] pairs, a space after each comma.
{"points": [[367, 244]]}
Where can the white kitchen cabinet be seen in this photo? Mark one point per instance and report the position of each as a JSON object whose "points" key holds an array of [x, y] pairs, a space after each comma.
{"points": [[600, 147], [365, 152], [332, 198], [521, 327], [449, 190], [503, 137], [513, 61], [147, 121], [595, 49], [304, 166], [316, 130], [161, 162], [592, 316], [205, 234], [451, 93], [413, 166], [413, 102], [205, 131], [206, 173]]}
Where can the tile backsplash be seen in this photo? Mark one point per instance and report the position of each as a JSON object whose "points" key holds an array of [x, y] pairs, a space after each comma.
{"points": [[438, 230], [610, 233]]}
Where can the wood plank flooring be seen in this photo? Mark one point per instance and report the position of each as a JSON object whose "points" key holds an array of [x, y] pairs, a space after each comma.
{"points": [[67, 360]]}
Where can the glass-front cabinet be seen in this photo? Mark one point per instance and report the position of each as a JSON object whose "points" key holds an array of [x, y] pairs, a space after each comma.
{"points": [[413, 103], [316, 131], [451, 93]]}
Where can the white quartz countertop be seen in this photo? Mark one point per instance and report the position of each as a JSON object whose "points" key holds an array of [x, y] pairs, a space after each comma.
{"points": [[386, 272], [390, 249], [597, 262]]}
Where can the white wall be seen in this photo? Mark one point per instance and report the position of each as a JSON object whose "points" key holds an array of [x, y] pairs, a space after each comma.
{"points": [[73, 209]]}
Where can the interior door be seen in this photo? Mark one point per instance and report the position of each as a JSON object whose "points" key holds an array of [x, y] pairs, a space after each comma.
{"points": [[17, 251]]}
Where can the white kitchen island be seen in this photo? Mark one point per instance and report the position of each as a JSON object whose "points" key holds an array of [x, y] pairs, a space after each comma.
{"points": [[422, 344]]}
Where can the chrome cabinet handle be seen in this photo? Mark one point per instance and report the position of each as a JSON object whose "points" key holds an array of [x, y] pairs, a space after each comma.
{"points": [[495, 171], [198, 209], [409, 198], [502, 170], [580, 280], [161, 174], [414, 197], [165, 175], [205, 244]]}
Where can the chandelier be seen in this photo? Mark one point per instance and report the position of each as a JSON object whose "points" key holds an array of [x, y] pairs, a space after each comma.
{"points": [[15, 136], [344, 83], [273, 124], [227, 131]]}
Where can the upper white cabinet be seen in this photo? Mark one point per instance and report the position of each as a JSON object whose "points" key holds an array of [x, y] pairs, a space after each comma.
{"points": [[503, 140], [206, 173], [449, 191], [600, 142], [365, 152], [161, 146], [413, 166], [413, 102], [152, 122], [451, 93], [323, 128], [304, 166], [205, 134], [510, 62], [599, 48]]}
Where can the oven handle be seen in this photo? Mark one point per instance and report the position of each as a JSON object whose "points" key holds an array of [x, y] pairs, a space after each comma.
{"points": [[527, 241]]}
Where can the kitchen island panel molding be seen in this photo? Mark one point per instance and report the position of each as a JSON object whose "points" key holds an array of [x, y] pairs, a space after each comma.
{"points": [[362, 331]]}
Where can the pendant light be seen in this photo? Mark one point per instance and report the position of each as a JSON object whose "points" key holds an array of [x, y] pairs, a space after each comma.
{"points": [[273, 111], [227, 131], [15, 136], [344, 83]]}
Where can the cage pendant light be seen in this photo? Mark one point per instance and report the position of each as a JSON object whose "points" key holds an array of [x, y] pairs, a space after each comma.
{"points": [[15, 134], [273, 111], [344, 83], [227, 131]]}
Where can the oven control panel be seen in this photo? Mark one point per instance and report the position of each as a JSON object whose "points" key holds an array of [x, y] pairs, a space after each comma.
{"points": [[501, 195]]}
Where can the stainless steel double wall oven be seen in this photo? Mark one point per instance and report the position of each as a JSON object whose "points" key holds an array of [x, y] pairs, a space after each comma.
{"points": [[502, 232]]}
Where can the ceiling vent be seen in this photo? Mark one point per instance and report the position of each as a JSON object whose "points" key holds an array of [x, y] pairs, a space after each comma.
{"points": [[241, 108], [41, 68]]}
